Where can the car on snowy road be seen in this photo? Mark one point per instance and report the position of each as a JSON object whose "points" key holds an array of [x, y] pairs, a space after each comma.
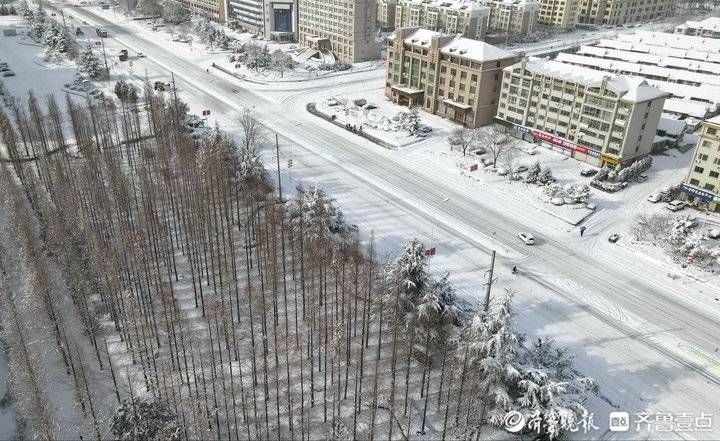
{"points": [[8, 73], [527, 238], [654, 198], [675, 205], [614, 238]]}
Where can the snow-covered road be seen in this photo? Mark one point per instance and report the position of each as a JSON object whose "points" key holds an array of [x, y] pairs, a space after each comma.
{"points": [[636, 331]]}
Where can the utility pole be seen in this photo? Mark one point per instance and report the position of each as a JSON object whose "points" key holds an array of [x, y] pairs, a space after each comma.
{"points": [[107, 69], [277, 152], [488, 285]]}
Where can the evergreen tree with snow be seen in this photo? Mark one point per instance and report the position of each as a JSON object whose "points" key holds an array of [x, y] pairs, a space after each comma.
{"points": [[533, 173], [552, 394], [318, 216], [140, 420], [38, 24], [89, 63], [492, 346], [23, 9]]}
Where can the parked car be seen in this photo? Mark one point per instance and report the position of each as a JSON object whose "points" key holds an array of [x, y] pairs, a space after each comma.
{"points": [[8, 73], [521, 168], [588, 172], [675, 205], [502, 171], [714, 233], [557, 201], [79, 32], [614, 238], [654, 198], [4, 68], [691, 222], [527, 238], [480, 151], [641, 178]]}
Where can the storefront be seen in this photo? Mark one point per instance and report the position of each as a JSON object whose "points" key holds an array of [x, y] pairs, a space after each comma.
{"points": [[702, 198], [555, 143]]}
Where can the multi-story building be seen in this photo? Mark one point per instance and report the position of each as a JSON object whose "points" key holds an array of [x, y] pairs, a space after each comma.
{"points": [[346, 27], [617, 12], [702, 185], [561, 14], [273, 20], [215, 10], [709, 28], [516, 17], [464, 17], [586, 114], [454, 77], [386, 14]]}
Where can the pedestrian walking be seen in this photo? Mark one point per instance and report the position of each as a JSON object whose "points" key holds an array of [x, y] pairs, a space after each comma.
{"points": [[582, 230]]}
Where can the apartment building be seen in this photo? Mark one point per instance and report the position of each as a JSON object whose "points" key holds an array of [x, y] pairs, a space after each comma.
{"points": [[618, 12], [386, 14], [709, 28], [274, 20], [346, 27], [516, 17], [702, 185], [561, 14], [455, 77], [464, 17], [586, 114], [215, 10]]}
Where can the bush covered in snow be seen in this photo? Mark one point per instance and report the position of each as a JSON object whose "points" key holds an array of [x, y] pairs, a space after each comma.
{"points": [[538, 174], [579, 193], [409, 120], [7, 10], [680, 239], [208, 34], [144, 420], [337, 66]]}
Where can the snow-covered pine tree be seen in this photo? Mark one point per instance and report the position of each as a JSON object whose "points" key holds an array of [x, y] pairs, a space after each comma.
{"points": [[89, 63], [551, 391], [533, 173], [493, 346], [38, 23], [144, 420]]}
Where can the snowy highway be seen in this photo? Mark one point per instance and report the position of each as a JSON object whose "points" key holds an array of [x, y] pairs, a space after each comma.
{"points": [[629, 311]]}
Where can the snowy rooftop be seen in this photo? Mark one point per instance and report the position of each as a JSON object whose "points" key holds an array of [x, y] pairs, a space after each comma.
{"points": [[678, 41], [714, 120], [464, 47], [691, 54], [712, 23], [656, 72], [632, 89], [658, 60], [460, 5], [672, 126]]}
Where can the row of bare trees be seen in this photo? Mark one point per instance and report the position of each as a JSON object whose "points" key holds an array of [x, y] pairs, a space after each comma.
{"points": [[198, 288]]}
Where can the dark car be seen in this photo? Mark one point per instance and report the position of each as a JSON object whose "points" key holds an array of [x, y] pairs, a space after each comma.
{"points": [[588, 172], [614, 238]]}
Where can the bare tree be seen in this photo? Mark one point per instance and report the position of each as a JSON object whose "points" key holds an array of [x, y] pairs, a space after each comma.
{"points": [[463, 138], [495, 142]]}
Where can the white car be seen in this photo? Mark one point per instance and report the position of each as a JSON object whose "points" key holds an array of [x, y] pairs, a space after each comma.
{"points": [[527, 238], [714, 233], [654, 198], [675, 205]]}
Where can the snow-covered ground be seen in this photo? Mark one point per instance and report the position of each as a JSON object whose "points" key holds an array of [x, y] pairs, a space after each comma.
{"points": [[633, 357], [25, 58]]}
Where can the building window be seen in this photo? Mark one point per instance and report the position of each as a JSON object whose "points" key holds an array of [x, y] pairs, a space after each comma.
{"points": [[694, 182], [714, 174], [699, 170]]}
